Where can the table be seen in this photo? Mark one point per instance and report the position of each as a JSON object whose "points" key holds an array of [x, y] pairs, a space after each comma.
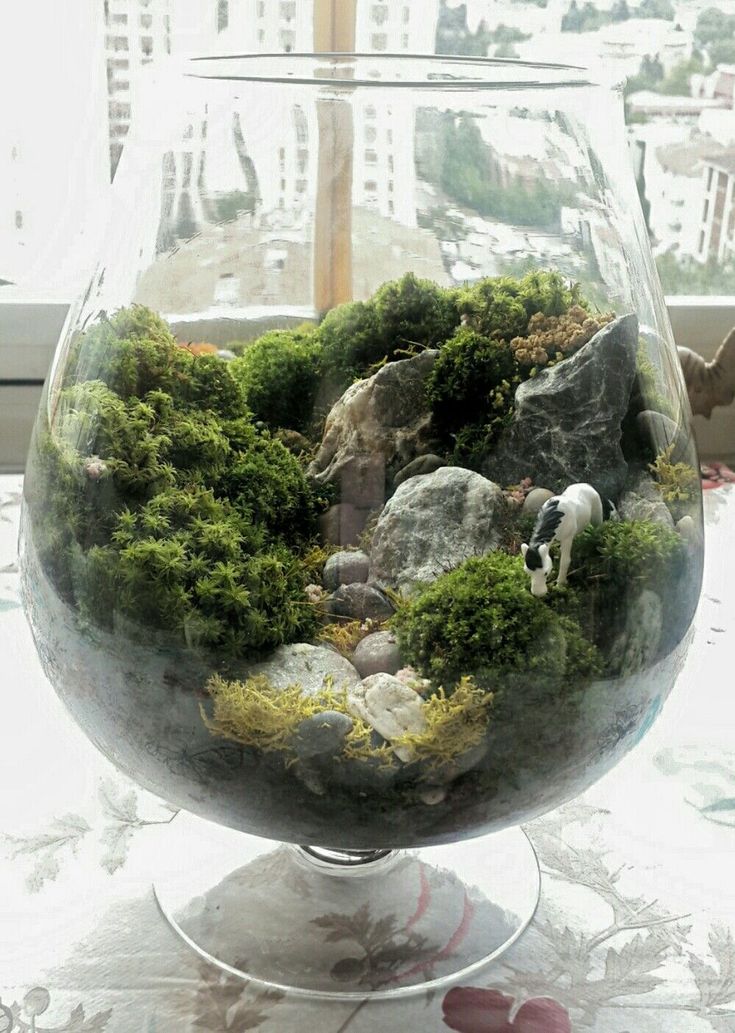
{"points": [[634, 933]]}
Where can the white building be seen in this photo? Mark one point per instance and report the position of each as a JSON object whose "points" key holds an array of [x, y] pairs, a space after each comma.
{"points": [[717, 234], [137, 33], [396, 27]]}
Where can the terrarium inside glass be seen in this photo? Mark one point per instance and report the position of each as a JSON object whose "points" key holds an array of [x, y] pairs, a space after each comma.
{"points": [[362, 510]]}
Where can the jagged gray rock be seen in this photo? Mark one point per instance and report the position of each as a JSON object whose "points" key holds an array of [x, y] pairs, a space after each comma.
{"points": [[566, 425], [376, 428], [432, 524]]}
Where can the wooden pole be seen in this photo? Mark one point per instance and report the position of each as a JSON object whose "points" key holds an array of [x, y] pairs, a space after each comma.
{"points": [[334, 31]]}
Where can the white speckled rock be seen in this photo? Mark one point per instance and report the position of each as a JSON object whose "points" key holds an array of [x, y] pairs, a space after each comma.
{"points": [[388, 706], [432, 524], [311, 667], [377, 653]]}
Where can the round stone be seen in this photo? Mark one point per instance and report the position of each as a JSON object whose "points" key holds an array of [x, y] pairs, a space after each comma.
{"points": [[535, 500], [322, 735], [345, 568], [377, 653], [359, 602]]}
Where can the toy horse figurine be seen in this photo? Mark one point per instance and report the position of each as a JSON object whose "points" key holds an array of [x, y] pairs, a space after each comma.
{"points": [[560, 519]]}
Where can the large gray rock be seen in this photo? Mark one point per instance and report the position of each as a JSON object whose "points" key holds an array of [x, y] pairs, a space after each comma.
{"points": [[390, 707], [311, 667], [432, 524], [345, 568], [566, 425], [376, 428], [359, 602], [377, 653], [642, 501]]}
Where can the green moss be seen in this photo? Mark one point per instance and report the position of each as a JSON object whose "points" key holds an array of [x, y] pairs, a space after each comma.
{"points": [[403, 316], [501, 307], [278, 374], [614, 562], [471, 390], [162, 500], [617, 554], [480, 619]]}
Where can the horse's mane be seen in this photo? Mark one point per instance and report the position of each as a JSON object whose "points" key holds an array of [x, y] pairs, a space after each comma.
{"points": [[549, 518]]}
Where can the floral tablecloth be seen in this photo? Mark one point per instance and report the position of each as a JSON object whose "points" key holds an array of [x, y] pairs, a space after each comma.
{"points": [[635, 932]]}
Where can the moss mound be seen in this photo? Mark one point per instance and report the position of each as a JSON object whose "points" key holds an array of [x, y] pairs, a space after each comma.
{"points": [[163, 500], [403, 316], [278, 374], [481, 620]]}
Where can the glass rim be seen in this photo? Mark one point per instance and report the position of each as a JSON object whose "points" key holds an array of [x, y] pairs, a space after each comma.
{"points": [[347, 70]]}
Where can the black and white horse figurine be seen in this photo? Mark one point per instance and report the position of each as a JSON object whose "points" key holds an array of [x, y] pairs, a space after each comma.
{"points": [[560, 519]]}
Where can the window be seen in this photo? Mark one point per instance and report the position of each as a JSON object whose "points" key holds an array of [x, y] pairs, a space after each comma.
{"points": [[116, 109], [389, 135], [261, 35], [146, 45], [301, 185], [261, 8], [391, 208], [371, 134], [119, 19], [223, 15], [287, 10], [19, 220], [371, 157], [370, 111], [406, 15], [302, 159], [379, 14], [302, 126], [371, 186], [287, 39], [404, 40], [117, 43], [379, 41], [706, 209], [146, 21]]}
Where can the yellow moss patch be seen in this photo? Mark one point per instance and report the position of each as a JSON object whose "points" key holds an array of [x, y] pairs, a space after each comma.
{"points": [[255, 713], [345, 637], [675, 481], [454, 724]]}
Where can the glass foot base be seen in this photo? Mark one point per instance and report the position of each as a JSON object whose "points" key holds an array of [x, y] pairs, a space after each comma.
{"points": [[393, 924]]}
